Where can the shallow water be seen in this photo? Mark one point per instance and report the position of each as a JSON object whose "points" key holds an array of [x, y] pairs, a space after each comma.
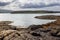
{"points": [[24, 20]]}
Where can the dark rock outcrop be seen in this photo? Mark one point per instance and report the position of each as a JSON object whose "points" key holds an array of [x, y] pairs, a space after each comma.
{"points": [[34, 27], [53, 26]]}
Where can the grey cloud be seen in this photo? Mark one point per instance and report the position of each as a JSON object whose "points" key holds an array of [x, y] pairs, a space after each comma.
{"points": [[3, 3]]}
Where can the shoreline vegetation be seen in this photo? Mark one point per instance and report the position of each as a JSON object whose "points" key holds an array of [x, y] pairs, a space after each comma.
{"points": [[48, 31]]}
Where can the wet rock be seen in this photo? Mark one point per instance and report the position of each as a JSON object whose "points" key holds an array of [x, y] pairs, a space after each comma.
{"points": [[34, 27]]}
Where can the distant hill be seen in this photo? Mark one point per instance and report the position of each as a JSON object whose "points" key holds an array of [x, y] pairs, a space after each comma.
{"points": [[5, 11], [41, 11]]}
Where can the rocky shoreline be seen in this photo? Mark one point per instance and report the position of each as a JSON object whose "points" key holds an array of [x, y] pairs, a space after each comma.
{"points": [[50, 17], [49, 31]]}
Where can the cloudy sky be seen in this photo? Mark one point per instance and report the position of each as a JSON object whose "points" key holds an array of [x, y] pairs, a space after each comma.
{"points": [[5, 0], [18, 4]]}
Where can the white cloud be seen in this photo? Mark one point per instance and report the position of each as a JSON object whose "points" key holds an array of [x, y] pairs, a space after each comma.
{"points": [[39, 1], [5, 0]]}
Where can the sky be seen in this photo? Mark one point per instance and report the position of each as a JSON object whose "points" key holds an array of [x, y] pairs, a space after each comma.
{"points": [[23, 1], [5, 0], [12, 4]]}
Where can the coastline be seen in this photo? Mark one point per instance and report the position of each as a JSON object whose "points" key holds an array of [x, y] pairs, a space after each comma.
{"points": [[49, 31]]}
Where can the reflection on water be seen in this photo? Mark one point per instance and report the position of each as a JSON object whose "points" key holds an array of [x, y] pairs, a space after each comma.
{"points": [[24, 19]]}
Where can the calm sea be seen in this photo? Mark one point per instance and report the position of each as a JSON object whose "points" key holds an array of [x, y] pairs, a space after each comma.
{"points": [[24, 20]]}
